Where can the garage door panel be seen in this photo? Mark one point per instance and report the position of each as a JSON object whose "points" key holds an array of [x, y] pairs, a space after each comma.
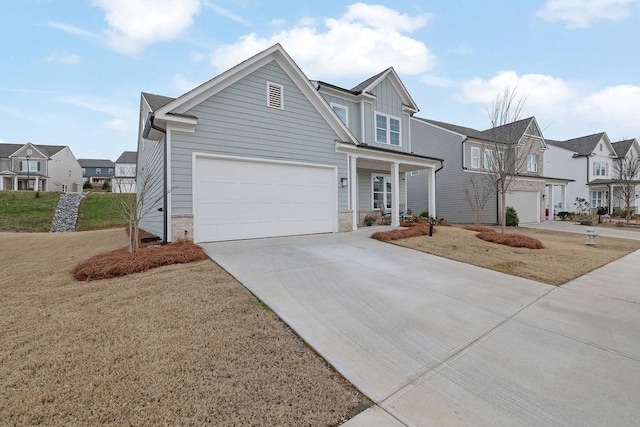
{"points": [[242, 199], [526, 204]]}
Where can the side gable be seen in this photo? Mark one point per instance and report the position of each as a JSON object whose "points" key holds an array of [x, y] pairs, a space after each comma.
{"points": [[175, 110], [22, 151], [369, 86]]}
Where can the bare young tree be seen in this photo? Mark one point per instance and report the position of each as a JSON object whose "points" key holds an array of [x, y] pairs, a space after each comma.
{"points": [[134, 207], [627, 177], [478, 193], [508, 157]]}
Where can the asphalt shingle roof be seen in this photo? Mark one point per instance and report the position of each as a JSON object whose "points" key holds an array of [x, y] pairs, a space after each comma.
{"points": [[7, 149], [156, 101], [583, 146], [362, 86], [622, 147], [128, 157], [96, 163], [506, 133]]}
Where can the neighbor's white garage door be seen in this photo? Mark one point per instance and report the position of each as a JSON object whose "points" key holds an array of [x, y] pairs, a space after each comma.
{"points": [[526, 204], [246, 199]]}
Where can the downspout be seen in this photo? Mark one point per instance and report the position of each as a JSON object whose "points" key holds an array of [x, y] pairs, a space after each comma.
{"points": [[463, 141], [145, 134]]}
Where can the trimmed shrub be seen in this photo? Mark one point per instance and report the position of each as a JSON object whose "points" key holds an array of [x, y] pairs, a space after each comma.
{"points": [[413, 229], [87, 185], [563, 215], [511, 217], [512, 240]]}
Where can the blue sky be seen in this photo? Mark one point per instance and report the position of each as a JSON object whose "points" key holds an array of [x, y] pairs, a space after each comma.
{"points": [[72, 71]]}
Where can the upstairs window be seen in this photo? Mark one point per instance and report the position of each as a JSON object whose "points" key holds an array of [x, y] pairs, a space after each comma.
{"points": [[84, 171], [121, 170], [532, 163], [387, 129], [475, 158], [30, 165], [98, 171], [275, 96], [110, 171], [342, 112], [488, 159], [600, 169]]}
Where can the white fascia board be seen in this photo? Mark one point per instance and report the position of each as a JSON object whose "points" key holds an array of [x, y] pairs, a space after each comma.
{"points": [[28, 144], [398, 86], [338, 93], [387, 156]]}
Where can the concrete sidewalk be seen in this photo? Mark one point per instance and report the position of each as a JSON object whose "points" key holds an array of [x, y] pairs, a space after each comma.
{"points": [[572, 227], [434, 341]]}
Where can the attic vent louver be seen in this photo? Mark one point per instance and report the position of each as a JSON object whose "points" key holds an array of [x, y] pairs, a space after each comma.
{"points": [[274, 96]]}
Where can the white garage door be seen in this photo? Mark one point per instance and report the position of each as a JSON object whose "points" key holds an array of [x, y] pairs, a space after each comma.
{"points": [[526, 204], [246, 199]]}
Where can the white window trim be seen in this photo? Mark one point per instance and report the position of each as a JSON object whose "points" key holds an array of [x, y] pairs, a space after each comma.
{"points": [[532, 166], [29, 164], [269, 85], [415, 173], [346, 111], [98, 171], [384, 197], [388, 130], [477, 151], [594, 197]]}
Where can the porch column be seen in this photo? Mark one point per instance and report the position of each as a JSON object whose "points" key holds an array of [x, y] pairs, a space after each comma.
{"points": [[395, 194], [15, 183], [1, 183], [563, 188], [432, 192], [552, 202], [353, 191], [35, 184]]}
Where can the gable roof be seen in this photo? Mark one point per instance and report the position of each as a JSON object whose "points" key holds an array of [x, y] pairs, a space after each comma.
{"points": [[505, 132], [174, 110], [582, 146], [622, 147], [363, 86], [7, 149], [368, 85], [95, 163], [156, 101], [128, 157]]}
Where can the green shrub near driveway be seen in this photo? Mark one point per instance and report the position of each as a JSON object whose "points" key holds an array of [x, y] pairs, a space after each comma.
{"points": [[511, 217], [102, 210], [30, 211]]}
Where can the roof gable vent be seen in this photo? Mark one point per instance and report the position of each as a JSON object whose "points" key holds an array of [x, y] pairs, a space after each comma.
{"points": [[275, 96]]}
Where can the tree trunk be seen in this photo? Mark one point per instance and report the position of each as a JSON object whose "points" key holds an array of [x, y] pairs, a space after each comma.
{"points": [[503, 211]]}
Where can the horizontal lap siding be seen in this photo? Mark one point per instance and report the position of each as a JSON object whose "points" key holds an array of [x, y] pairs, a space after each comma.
{"points": [[451, 181], [237, 122], [151, 184], [353, 115]]}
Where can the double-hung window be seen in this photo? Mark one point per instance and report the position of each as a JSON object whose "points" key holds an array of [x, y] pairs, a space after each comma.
{"points": [[597, 199], [387, 129], [98, 171], [29, 165], [475, 158], [488, 159], [600, 169], [342, 112], [532, 163]]}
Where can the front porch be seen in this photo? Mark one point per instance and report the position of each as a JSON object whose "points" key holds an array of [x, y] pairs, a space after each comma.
{"points": [[15, 182], [377, 180]]}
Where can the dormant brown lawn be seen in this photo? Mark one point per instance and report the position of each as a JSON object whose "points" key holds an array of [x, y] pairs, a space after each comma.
{"points": [[564, 257], [178, 345]]}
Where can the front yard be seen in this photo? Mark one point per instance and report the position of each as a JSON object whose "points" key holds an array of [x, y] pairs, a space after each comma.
{"points": [[178, 345], [564, 257]]}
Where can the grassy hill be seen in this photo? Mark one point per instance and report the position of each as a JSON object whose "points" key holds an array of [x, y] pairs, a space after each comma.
{"points": [[29, 211]]}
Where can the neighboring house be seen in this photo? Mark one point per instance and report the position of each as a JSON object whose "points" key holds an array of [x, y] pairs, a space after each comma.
{"points": [[124, 180], [97, 171], [39, 167], [261, 151], [466, 153], [589, 160]]}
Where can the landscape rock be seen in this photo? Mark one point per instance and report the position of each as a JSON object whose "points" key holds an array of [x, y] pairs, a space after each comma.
{"points": [[64, 220]]}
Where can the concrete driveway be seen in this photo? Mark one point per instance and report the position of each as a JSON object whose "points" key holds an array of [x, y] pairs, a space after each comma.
{"points": [[572, 227], [437, 342]]}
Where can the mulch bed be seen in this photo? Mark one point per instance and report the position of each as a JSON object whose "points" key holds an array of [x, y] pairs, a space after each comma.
{"points": [[121, 262], [413, 229], [479, 228], [512, 240]]}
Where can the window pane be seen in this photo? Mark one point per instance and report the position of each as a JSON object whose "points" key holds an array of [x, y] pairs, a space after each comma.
{"points": [[377, 200], [378, 183], [381, 135], [341, 112], [395, 125], [381, 122], [395, 138]]}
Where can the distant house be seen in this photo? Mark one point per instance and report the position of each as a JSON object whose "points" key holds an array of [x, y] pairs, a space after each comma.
{"points": [[590, 161], [39, 167], [97, 171], [124, 180], [467, 155]]}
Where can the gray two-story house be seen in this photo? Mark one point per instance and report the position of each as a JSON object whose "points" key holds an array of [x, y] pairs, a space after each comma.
{"points": [[97, 171], [39, 167], [467, 155], [261, 151]]}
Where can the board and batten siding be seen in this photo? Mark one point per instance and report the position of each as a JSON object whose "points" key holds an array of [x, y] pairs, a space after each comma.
{"points": [[151, 171], [237, 122], [451, 181], [353, 108], [389, 102]]}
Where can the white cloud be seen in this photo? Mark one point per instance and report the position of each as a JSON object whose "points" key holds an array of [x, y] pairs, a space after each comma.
{"points": [[181, 84], [122, 118], [580, 13], [226, 13], [542, 92], [63, 57], [364, 40], [615, 107], [70, 29], [436, 81], [133, 25]]}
